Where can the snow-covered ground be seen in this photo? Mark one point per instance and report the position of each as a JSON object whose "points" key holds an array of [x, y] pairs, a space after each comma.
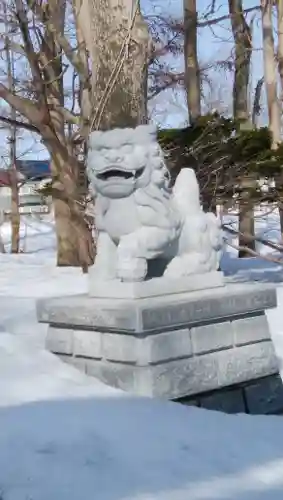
{"points": [[69, 437]]}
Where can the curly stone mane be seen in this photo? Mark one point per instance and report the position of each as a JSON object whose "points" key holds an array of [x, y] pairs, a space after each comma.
{"points": [[157, 195]]}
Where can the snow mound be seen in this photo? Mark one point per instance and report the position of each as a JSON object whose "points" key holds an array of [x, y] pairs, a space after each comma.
{"points": [[66, 436]]}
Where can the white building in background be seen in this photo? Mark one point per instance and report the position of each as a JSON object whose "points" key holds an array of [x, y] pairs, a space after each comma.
{"points": [[31, 175]]}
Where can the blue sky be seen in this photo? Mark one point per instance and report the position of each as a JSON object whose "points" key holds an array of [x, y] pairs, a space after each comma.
{"points": [[213, 45], [169, 109]]}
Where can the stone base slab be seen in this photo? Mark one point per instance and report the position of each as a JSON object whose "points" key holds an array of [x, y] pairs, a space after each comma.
{"points": [[157, 287], [170, 348], [157, 314]]}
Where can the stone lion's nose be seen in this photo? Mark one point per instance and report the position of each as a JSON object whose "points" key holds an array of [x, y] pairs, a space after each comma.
{"points": [[112, 158]]}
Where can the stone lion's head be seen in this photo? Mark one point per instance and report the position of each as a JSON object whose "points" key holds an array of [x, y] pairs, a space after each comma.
{"points": [[120, 161]]}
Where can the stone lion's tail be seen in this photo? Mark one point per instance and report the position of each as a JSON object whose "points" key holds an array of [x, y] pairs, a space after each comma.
{"points": [[202, 233], [186, 192]]}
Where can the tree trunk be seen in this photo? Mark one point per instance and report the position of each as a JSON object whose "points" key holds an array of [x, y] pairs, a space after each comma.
{"points": [[47, 115], [15, 211], [243, 50], [74, 237], [270, 78], [192, 75], [119, 54], [83, 33], [279, 6], [246, 218], [270, 74]]}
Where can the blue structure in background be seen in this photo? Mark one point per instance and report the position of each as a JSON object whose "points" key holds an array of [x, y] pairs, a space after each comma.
{"points": [[34, 169]]}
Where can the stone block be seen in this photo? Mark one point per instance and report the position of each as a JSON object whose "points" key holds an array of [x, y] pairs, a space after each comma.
{"points": [[79, 363], [60, 340], [251, 329], [82, 311], [157, 287], [113, 374], [148, 350], [169, 345], [87, 344], [213, 337], [133, 379], [230, 401], [213, 371], [265, 396], [122, 347]]}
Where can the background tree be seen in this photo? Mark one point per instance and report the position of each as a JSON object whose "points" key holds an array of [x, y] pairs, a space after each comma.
{"points": [[270, 73], [192, 74], [270, 78], [119, 51], [12, 140], [44, 110], [50, 54], [242, 34]]}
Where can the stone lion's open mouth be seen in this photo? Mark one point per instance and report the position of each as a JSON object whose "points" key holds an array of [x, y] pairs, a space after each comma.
{"points": [[116, 173]]}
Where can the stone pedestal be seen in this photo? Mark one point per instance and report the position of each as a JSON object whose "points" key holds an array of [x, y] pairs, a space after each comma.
{"points": [[180, 344], [157, 287]]}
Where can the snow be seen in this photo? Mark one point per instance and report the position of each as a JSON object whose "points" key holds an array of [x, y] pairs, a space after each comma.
{"points": [[36, 233], [66, 436]]}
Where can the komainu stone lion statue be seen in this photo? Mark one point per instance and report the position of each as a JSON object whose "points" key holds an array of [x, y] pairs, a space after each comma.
{"points": [[145, 228]]}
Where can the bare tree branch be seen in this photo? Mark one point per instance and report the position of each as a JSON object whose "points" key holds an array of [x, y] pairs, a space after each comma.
{"points": [[19, 124], [250, 237], [216, 20], [69, 116], [24, 106], [28, 45], [253, 253], [70, 52]]}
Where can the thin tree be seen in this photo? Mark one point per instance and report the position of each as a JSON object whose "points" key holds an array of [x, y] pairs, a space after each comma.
{"points": [[192, 74], [242, 34], [270, 77], [279, 8], [270, 73], [12, 139]]}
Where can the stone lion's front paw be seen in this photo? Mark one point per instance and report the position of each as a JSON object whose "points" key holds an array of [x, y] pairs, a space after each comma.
{"points": [[102, 272], [184, 265], [132, 269]]}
